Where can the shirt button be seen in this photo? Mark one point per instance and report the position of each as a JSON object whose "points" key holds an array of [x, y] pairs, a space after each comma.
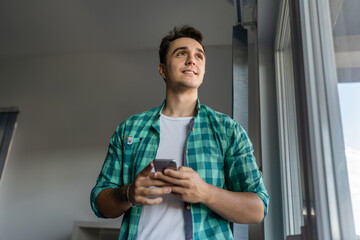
{"points": [[192, 129], [188, 207], [186, 151]]}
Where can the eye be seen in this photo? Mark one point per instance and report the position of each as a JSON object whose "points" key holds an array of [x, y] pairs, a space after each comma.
{"points": [[200, 56], [180, 53]]}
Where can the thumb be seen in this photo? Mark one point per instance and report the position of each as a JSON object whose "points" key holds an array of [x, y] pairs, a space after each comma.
{"points": [[147, 170]]}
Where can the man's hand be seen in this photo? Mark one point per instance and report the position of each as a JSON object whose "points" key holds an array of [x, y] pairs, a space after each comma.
{"points": [[141, 188], [239, 207], [112, 202], [186, 184]]}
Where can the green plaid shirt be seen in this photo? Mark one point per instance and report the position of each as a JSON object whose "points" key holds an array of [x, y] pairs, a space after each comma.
{"points": [[218, 149]]}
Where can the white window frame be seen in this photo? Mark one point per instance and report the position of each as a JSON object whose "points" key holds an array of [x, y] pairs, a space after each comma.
{"points": [[331, 187], [287, 117], [328, 173]]}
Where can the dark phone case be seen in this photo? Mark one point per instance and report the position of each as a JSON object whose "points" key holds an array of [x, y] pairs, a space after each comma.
{"points": [[162, 164]]}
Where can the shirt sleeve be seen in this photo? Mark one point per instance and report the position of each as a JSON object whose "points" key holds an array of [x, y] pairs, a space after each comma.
{"points": [[243, 173], [111, 172]]}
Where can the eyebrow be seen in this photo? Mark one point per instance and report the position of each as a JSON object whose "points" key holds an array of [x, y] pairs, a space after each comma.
{"points": [[186, 48]]}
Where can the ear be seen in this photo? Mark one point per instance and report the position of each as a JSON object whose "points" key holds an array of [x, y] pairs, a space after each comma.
{"points": [[162, 70]]}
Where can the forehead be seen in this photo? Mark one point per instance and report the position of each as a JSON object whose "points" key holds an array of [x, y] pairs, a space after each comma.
{"points": [[184, 42]]}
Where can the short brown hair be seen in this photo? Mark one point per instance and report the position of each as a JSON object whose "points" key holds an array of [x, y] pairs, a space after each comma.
{"points": [[184, 31]]}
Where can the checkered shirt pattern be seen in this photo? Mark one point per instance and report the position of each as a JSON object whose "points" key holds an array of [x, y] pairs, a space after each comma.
{"points": [[218, 149]]}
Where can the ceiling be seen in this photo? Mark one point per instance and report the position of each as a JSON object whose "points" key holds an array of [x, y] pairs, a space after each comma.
{"points": [[43, 27]]}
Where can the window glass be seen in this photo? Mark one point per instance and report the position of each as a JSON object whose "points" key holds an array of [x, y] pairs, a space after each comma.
{"points": [[349, 94], [346, 32]]}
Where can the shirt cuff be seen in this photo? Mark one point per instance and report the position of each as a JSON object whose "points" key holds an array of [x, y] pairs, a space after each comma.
{"points": [[265, 199]]}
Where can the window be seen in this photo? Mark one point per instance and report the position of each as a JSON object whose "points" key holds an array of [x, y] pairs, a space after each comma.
{"points": [[310, 79], [346, 36], [350, 113], [7, 125], [288, 135]]}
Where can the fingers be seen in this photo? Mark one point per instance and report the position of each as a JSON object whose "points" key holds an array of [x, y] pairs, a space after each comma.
{"points": [[185, 169], [155, 191], [145, 181], [178, 190], [170, 180], [151, 201], [182, 173], [187, 185], [147, 170], [145, 186], [151, 182], [141, 195]]}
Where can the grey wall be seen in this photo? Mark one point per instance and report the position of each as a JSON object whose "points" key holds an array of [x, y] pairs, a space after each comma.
{"points": [[69, 107]]}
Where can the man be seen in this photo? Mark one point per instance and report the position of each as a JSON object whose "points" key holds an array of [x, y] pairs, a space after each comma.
{"points": [[218, 180]]}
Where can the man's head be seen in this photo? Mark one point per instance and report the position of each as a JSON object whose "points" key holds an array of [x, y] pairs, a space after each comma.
{"points": [[178, 32], [182, 59]]}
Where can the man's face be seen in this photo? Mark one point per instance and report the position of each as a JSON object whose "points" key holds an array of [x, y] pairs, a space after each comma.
{"points": [[185, 64]]}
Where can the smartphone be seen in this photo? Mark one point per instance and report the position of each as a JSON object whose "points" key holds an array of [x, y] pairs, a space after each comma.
{"points": [[162, 164]]}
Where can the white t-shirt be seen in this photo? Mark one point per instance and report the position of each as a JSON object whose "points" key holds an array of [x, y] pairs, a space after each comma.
{"points": [[166, 220]]}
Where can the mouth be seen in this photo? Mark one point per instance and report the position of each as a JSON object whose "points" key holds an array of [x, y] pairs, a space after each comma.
{"points": [[189, 71]]}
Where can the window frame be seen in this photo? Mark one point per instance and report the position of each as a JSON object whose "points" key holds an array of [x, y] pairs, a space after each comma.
{"points": [[8, 125], [330, 179], [327, 212], [288, 136]]}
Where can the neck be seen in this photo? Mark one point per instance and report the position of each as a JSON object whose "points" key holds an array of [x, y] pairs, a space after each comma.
{"points": [[180, 105]]}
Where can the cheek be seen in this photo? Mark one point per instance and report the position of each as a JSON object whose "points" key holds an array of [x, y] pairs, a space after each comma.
{"points": [[203, 69], [173, 68]]}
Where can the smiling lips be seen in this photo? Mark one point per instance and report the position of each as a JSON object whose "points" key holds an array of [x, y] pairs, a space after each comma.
{"points": [[189, 71]]}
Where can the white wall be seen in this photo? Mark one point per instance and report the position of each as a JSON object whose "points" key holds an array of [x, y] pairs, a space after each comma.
{"points": [[69, 107]]}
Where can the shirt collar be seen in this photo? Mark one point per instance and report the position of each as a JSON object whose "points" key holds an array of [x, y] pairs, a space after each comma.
{"points": [[197, 109], [196, 113]]}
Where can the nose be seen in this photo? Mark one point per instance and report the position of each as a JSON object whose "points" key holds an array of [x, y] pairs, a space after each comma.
{"points": [[190, 60]]}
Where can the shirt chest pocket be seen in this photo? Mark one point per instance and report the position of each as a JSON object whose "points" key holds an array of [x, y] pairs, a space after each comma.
{"points": [[139, 151], [131, 146]]}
